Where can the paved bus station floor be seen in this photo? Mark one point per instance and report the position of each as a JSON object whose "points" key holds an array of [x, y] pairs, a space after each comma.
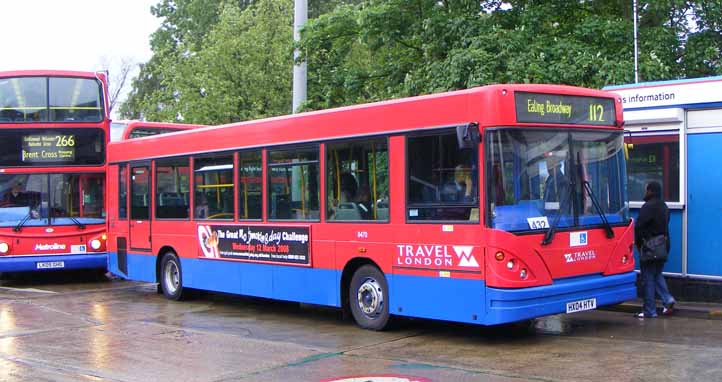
{"points": [[81, 327]]}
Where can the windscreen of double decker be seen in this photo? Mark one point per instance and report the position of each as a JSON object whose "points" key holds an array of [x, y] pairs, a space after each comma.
{"points": [[50, 99]]}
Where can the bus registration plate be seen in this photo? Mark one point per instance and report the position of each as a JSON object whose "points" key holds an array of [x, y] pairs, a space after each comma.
{"points": [[581, 305], [50, 264]]}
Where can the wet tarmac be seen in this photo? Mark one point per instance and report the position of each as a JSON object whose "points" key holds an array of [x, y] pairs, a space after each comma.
{"points": [[79, 327]]}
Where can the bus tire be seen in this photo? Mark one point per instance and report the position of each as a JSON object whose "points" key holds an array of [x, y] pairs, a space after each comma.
{"points": [[369, 298], [171, 277]]}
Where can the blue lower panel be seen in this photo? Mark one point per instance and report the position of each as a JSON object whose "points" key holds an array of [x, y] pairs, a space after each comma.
{"points": [[307, 285], [30, 263], [437, 298], [509, 305]]}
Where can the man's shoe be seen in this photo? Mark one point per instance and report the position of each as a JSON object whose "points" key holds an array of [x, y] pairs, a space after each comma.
{"points": [[668, 310], [642, 316]]}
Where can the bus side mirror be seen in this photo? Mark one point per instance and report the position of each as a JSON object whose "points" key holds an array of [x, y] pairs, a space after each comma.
{"points": [[468, 135]]}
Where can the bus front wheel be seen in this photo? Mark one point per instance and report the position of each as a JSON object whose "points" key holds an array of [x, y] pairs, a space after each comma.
{"points": [[171, 280], [369, 298]]}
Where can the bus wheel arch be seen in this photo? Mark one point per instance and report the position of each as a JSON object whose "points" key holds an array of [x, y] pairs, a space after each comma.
{"points": [[170, 276], [365, 278]]}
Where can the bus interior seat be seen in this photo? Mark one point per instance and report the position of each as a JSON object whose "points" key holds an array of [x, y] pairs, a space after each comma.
{"points": [[282, 206], [382, 213], [347, 211]]}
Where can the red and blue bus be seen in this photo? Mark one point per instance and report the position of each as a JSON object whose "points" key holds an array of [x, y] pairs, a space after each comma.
{"points": [[121, 130], [54, 131], [488, 205]]}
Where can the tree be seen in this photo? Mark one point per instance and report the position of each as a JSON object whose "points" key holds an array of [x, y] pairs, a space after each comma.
{"points": [[393, 48], [119, 73], [244, 69], [192, 28]]}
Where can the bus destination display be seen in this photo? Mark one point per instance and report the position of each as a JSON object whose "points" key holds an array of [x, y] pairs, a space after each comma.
{"points": [[48, 148], [564, 109]]}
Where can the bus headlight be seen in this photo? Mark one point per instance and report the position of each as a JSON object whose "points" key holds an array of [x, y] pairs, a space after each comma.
{"points": [[4, 247], [95, 244], [510, 264]]}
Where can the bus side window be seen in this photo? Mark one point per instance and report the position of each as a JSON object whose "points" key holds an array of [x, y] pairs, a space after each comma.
{"points": [[293, 179], [172, 187], [123, 191], [250, 186], [442, 178], [357, 180], [213, 187]]}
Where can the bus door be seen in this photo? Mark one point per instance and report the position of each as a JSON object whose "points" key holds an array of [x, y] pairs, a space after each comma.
{"points": [[139, 230]]}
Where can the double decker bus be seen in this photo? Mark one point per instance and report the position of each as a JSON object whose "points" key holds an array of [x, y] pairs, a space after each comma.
{"points": [[54, 130], [489, 205], [121, 130]]}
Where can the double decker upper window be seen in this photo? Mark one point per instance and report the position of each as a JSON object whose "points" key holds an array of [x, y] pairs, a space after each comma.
{"points": [[50, 99]]}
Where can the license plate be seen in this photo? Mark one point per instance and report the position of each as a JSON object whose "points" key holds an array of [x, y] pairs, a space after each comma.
{"points": [[581, 305], [50, 264]]}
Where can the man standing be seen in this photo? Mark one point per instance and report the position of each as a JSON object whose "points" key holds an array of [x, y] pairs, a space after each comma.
{"points": [[653, 220]]}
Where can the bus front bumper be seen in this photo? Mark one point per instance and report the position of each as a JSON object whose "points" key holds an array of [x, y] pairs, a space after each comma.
{"points": [[511, 305], [53, 262]]}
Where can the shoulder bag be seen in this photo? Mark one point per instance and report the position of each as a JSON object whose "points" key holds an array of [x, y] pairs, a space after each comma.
{"points": [[654, 249]]}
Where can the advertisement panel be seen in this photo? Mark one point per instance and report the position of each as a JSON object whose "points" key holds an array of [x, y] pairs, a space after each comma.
{"points": [[267, 244]]}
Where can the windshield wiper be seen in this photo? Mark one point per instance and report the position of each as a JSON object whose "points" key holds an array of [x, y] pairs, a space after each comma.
{"points": [[73, 219], [607, 226], [553, 227], [77, 222], [22, 222]]}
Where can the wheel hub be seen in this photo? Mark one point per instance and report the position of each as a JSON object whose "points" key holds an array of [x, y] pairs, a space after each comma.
{"points": [[172, 278], [370, 298]]}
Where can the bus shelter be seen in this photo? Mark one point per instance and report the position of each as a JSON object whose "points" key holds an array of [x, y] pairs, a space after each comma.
{"points": [[675, 132]]}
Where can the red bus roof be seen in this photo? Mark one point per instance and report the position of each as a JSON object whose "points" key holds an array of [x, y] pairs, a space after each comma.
{"points": [[159, 125], [384, 117], [52, 73]]}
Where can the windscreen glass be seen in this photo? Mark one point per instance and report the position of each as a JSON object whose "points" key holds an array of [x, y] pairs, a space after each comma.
{"points": [[537, 178]]}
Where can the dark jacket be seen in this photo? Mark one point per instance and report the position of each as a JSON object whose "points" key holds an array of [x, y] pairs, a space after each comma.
{"points": [[653, 220]]}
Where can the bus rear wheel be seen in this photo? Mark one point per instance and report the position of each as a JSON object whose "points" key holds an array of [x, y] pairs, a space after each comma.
{"points": [[369, 298], [171, 279]]}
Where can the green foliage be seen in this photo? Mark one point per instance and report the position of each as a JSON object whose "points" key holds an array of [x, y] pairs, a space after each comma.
{"points": [[394, 48], [218, 61]]}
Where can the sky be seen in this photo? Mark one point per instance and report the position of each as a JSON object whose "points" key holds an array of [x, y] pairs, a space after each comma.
{"points": [[85, 35]]}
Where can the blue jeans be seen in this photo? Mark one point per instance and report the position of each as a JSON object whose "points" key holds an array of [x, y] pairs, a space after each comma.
{"points": [[653, 280]]}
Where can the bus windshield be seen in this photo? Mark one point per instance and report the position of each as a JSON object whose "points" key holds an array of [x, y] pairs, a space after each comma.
{"points": [[51, 199], [563, 178], [50, 99]]}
